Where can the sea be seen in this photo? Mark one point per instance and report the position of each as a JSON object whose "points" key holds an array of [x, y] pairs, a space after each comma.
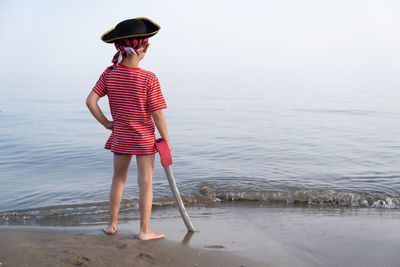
{"points": [[306, 145]]}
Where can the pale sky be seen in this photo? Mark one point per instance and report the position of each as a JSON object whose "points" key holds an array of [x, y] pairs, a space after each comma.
{"points": [[282, 41]]}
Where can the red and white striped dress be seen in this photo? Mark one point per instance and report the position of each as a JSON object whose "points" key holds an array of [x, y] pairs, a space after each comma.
{"points": [[133, 94]]}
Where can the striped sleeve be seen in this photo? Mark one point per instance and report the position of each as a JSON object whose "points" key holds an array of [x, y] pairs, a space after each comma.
{"points": [[100, 87], [155, 98]]}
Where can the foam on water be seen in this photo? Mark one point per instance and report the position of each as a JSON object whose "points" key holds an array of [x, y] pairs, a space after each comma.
{"points": [[98, 212], [322, 197]]}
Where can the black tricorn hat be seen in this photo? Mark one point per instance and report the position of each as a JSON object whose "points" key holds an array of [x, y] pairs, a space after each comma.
{"points": [[131, 28]]}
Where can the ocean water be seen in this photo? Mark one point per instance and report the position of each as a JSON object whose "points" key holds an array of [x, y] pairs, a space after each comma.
{"points": [[231, 141]]}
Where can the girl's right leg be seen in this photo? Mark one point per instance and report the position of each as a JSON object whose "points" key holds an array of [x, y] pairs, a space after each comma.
{"points": [[145, 165], [121, 166]]}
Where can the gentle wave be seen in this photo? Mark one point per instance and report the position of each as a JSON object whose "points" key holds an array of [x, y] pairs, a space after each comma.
{"points": [[99, 211], [322, 197]]}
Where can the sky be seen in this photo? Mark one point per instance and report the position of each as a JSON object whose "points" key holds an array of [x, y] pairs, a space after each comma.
{"points": [[279, 42]]}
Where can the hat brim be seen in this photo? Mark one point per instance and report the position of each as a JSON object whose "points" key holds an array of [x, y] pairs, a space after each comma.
{"points": [[112, 35]]}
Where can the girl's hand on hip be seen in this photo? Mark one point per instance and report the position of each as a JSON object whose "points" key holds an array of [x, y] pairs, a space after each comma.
{"points": [[109, 125]]}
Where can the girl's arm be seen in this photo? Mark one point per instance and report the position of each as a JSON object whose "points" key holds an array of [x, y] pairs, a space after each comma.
{"points": [[91, 103], [161, 124]]}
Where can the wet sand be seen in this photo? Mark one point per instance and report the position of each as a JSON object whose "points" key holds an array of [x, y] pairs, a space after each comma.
{"points": [[298, 235], [228, 234], [42, 246]]}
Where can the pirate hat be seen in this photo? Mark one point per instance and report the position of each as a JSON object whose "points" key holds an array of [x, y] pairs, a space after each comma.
{"points": [[131, 28]]}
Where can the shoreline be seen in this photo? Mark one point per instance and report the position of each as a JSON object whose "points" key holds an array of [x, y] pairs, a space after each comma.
{"points": [[205, 195]]}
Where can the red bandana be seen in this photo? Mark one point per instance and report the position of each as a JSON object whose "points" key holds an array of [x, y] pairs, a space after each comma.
{"points": [[126, 47]]}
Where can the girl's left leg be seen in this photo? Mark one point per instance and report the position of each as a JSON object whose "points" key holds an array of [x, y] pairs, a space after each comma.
{"points": [[121, 167]]}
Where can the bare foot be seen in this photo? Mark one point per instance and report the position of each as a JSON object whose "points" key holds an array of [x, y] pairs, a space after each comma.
{"points": [[150, 235], [110, 230]]}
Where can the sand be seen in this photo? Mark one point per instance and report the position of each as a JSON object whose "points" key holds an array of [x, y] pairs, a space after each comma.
{"points": [[228, 234], [42, 246]]}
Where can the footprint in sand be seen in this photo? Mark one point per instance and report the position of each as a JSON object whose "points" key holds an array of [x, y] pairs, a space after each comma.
{"points": [[71, 256], [143, 257], [122, 246], [81, 260]]}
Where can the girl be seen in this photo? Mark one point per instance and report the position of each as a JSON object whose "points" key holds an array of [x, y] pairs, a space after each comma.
{"points": [[136, 104]]}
